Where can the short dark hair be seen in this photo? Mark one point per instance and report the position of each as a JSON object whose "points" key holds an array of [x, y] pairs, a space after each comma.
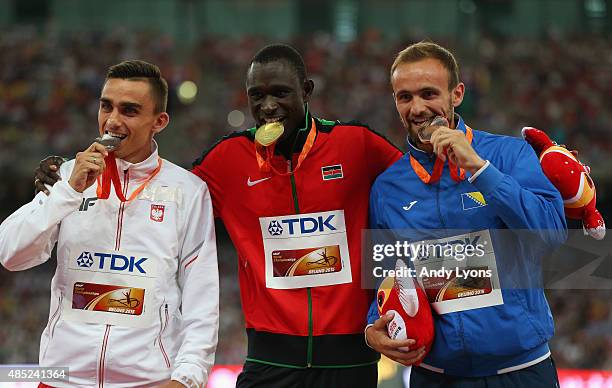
{"points": [[278, 51], [425, 50], [143, 71]]}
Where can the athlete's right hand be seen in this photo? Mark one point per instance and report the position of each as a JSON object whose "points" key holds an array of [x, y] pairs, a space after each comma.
{"points": [[379, 340], [87, 166]]}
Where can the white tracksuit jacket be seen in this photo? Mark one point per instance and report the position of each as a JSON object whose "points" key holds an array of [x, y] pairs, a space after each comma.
{"points": [[170, 224]]}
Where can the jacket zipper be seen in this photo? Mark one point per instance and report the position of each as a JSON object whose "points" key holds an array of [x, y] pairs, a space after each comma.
{"points": [[103, 357], [296, 206], [163, 324], [101, 364]]}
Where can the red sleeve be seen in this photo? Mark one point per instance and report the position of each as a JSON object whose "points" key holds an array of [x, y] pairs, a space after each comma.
{"points": [[381, 152], [210, 170]]}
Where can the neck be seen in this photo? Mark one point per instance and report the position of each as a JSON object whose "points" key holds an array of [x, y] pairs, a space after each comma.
{"points": [[293, 142], [137, 156]]}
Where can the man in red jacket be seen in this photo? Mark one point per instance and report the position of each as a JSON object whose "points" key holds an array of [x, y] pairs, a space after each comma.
{"points": [[295, 210]]}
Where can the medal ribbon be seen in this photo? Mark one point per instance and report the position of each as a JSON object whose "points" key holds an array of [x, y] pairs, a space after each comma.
{"points": [[111, 174], [439, 166], [264, 163]]}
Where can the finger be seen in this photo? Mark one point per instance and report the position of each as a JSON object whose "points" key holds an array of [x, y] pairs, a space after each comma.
{"points": [[89, 165], [49, 165], [48, 179], [412, 360], [56, 161], [380, 323], [100, 149], [97, 159], [407, 358], [392, 344], [39, 186], [451, 156]]}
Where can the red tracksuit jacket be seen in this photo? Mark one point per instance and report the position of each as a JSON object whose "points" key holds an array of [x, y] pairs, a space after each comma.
{"points": [[304, 327]]}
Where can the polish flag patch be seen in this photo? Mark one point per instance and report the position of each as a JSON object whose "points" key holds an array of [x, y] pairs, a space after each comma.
{"points": [[157, 213]]}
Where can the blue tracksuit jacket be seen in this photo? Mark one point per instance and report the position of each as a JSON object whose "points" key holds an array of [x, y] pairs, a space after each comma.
{"points": [[518, 197]]}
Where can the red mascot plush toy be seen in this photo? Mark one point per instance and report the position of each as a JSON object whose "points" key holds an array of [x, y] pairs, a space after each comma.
{"points": [[571, 178], [412, 314]]}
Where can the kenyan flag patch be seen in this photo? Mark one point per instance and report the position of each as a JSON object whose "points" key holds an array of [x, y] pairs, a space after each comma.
{"points": [[332, 172]]}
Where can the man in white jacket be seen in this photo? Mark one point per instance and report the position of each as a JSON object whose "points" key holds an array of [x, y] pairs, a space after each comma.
{"points": [[135, 296]]}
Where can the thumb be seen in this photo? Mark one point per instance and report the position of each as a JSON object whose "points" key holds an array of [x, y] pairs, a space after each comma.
{"points": [[381, 323]]}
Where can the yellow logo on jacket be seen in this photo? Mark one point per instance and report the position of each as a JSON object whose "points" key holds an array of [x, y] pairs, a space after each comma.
{"points": [[473, 200]]}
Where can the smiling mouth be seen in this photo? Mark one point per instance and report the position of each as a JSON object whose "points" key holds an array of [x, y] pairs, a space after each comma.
{"points": [[422, 123], [115, 135], [268, 120]]}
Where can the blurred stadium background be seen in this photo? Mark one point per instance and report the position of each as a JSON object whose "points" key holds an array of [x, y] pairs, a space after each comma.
{"points": [[545, 63]]}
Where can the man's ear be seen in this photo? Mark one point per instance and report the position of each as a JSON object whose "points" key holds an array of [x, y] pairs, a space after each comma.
{"points": [[161, 122], [308, 88], [458, 93]]}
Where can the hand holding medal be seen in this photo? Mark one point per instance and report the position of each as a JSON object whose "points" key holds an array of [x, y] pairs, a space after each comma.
{"points": [[426, 131]]}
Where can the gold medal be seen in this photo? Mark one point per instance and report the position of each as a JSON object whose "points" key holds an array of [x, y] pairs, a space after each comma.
{"points": [[269, 133]]}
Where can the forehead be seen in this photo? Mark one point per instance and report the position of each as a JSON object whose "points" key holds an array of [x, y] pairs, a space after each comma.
{"points": [[277, 72], [426, 73], [122, 90]]}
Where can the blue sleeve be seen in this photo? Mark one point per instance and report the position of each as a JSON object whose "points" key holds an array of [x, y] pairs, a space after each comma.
{"points": [[375, 223], [374, 208], [525, 198], [373, 313]]}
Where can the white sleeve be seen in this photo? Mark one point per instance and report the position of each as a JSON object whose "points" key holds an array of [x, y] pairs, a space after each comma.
{"points": [[28, 235], [199, 281]]}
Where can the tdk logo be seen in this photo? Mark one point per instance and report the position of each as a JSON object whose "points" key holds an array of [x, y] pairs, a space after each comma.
{"points": [[304, 225], [111, 261], [275, 228], [85, 260]]}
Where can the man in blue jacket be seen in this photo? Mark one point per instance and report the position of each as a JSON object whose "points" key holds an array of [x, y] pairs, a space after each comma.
{"points": [[454, 187]]}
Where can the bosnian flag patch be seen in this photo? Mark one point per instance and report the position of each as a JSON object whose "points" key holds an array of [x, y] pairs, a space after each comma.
{"points": [[473, 200], [332, 172]]}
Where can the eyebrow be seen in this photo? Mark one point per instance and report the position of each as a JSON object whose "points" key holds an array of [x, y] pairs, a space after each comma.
{"points": [[122, 104], [421, 90]]}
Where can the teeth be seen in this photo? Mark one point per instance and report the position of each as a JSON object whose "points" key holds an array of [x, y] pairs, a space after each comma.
{"points": [[272, 120], [117, 135]]}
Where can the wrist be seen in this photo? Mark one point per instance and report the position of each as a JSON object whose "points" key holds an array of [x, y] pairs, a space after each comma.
{"points": [[476, 165], [75, 186]]}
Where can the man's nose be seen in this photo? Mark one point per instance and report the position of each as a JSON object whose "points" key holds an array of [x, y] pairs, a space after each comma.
{"points": [[417, 107], [269, 105], [114, 119]]}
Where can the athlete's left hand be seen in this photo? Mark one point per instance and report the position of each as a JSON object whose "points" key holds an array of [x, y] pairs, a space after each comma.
{"points": [[453, 143], [172, 384]]}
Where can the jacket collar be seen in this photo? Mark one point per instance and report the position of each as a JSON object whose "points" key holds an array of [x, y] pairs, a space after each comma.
{"points": [[140, 170]]}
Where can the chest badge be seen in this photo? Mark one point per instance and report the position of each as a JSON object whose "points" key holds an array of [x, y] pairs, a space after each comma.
{"points": [[157, 213], [473, 200], [332, 172]]}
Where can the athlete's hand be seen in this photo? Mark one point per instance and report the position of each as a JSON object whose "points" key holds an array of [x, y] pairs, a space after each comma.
{"points": [[87, 166], [46, 173], [172, 384], [451, 142], [379, 340]]}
